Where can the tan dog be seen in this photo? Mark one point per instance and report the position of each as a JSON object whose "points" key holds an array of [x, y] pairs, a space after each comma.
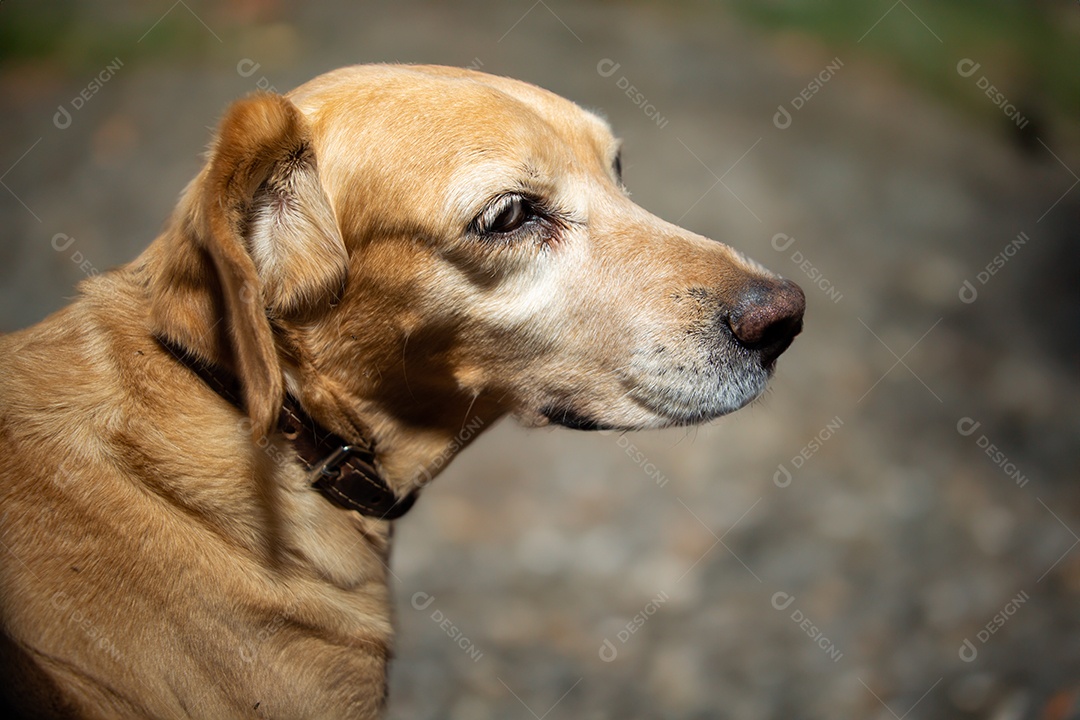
{"points": [[390, 253]]}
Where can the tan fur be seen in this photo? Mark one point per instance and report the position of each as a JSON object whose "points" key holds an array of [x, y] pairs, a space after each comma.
{"points": [[165, 555]]}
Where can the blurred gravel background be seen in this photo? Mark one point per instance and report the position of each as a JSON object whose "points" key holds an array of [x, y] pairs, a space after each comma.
{"points": [[891, 532]]}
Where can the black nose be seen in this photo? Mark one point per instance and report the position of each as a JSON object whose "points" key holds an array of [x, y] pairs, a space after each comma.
{"points": [[768, 316]]}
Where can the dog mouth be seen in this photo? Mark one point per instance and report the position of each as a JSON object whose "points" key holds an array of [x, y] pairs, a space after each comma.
{"points": [[655, 406], [569, 418], [575, 420], [668, 385]]}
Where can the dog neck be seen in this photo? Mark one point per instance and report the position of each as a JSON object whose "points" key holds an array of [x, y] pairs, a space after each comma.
{"points": [[346, 472], [416, 428]]}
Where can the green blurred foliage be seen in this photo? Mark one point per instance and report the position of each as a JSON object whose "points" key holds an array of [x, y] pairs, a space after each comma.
{"points": [[78, 37], [1034, 45], [1031, 47]]}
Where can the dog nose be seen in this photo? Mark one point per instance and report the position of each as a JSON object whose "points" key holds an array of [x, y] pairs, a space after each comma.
{"points": [[768, 316]]}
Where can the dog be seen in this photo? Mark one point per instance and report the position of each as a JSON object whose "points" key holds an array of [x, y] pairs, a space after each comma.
{"points": [[202, 455]]}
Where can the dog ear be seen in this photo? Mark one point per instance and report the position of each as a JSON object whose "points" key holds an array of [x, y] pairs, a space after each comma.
{"points": [[257, 221]]}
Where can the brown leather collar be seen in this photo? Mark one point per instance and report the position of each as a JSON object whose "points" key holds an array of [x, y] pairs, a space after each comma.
{"points": [[347, 474]]}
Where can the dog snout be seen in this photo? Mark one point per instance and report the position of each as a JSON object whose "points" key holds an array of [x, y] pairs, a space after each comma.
{"points": [[767, 317]]}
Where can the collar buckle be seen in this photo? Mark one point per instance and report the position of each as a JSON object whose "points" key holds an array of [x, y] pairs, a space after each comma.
{"points": [[330, 466], [349, 478], [347, 474]]}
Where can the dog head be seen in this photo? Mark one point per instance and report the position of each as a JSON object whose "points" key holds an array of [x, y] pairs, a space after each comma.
{"points": [[411, 245]]}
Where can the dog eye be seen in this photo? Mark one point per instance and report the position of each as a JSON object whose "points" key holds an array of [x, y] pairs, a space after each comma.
{"points": [[506, 215], [617, 166]]}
